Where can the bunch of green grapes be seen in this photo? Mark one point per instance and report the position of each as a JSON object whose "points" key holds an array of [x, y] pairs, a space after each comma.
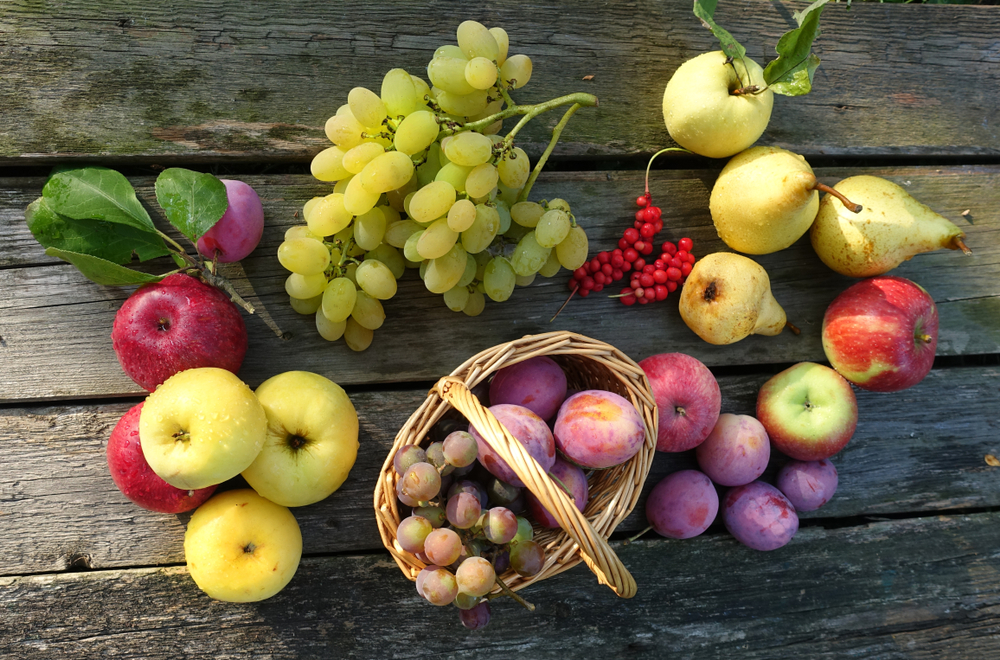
{"points": [[423, 180]]}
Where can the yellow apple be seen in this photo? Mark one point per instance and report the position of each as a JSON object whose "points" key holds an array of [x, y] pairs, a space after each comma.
{"points": [[201, 427], [240, 547], [312, 439]]}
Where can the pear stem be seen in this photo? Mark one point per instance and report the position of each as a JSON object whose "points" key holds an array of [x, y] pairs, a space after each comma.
{"points": [[959, 244], [653, 157], [851, 206], [795, 331]]}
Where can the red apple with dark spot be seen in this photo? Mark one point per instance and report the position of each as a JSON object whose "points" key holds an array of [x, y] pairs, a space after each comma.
{"points": [[136, 480], [687, 398], [175, 324], [881, 333]]}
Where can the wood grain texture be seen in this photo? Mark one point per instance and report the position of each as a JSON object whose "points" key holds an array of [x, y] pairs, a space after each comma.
{"points": [[59, 508], [911, 589], [191, 80], [56, 325]]}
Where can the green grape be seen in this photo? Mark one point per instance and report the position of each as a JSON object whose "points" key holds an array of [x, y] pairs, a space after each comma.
{"points": [[465, 601], [421, 88], [369, 229], [552, 228], [305, 256], [470, 271], [444, 272], [309, 206], [356, 336], [411, 251], [327, 329], [328, 165], [398, 93], [357, 199], [301, 231], [572, 251], [456, 297], [368, 310], [390, 256], [508, 194], [448, 74], [357, 157], [476, 304], [344, 130], [529, 256], [304, 287], [375, 279], [306, 307], [432, 201], [396, 233], [416, 132], [527, 558], [450, 50], [558, 203], [469, 149], [524, 531], [461, 215], [516, 71], [476, 41], [503, 210], [481, 259], [525, 280], [503, 43], [366, 107], [411, 532], [483, 230], [498, 279], [329, 215], [475, 576], [527, 214], [349, 272], [481, 73], [552, 265], [514, 168], [339, 299], [344, 235], [387, 172], [454, 174], [436, 240], [341, 186], [481, 180], [390, 213], [463, 105]]}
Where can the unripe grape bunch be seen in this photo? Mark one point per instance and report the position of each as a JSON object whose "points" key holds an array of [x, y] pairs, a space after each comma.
{"points": [[423, 179]]}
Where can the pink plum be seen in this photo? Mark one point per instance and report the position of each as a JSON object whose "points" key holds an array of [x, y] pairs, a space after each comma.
{"points": [[527, 428], [238, 231], [683, 505], [736, 451], [598, 429], [808, 485], [759, 516], [573, 478], [537, 383]]}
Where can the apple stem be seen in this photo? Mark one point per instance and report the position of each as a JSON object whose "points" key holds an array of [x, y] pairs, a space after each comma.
{"points": [[563, 306], [633, 538], [851, 206], [958, 244], [653, 157], [795, 331], [507, 591], [925, 338]]}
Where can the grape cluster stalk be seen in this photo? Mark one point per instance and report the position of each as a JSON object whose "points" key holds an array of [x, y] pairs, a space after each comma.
{"points": [[423, 179]]}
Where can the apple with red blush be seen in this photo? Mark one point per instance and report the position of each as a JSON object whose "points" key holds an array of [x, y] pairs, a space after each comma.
{"points": [[881, 333], [136, 480], [687, 397], [235, 235]]}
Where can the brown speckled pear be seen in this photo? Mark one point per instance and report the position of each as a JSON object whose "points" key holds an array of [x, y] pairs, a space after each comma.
{"points": [[764, 200], [727, 297], [892, 228]]}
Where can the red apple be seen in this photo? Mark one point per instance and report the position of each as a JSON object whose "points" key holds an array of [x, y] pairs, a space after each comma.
{"points": [[175, 324], [136, 480], [808, 410], [687, 398], [881, 333]]}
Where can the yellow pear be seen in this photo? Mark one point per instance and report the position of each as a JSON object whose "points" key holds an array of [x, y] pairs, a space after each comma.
{"points": [[891, 228], [764, 199], [727, 297]]}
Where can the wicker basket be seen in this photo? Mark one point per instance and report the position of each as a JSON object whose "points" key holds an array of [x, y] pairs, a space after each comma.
{"points": [[589, 364]]}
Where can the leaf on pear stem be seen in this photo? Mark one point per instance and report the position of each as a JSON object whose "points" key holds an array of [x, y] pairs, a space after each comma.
{"points": [[96, 193], [103, 271], [705, 10], [791, 74], [192, 201]]}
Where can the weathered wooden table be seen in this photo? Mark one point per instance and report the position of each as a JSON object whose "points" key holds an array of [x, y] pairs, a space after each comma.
{"points": [[903, 563]]}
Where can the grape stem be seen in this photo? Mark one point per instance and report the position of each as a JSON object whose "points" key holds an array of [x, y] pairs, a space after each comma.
{"points": [[529, 112], [556, 132], [507, 592]]}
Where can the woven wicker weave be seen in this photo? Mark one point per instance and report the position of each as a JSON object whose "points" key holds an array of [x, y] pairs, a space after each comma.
{"points": [[589, 364]]}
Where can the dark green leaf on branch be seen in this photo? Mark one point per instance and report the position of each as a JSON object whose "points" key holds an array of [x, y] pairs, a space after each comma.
{"points": [[96, 193], [103, 271], [192, 201], [705, 10], [98, 238], [792, 72]]}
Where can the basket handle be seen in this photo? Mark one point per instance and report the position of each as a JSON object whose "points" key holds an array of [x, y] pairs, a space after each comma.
{"points": [[594, 549]]}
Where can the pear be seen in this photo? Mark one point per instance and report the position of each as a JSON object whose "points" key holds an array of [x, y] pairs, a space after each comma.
{"points": [[727, 297], [717, 108], [764, 200], [892, 228]]}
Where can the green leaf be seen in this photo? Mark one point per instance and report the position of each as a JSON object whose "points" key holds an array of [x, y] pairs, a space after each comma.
{"points": [[792, 73], [103, 271], [97, 238], [192, 201], [96, 193], [705, 10]]}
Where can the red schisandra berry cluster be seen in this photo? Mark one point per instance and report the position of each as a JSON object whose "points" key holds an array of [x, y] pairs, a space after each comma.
{"points": [[648, 281]]}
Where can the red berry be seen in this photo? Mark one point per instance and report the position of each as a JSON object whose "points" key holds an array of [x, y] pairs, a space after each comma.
{"points": [[660, 276], [647, 231], [647, 248], [595, 265], [640, 215], [639, 245], [639, 292], [682, 255], [674, 274], [631, 235], [630, 255], [658, 225], [617, 260], [587, 283], [579, 273], [617, 274], [675, 262], [603, 257], [607, 269], [584, 293], [661, 292], [669, 248], [645, 301], [685, 244], [598, 288], [638, 263], [685, 269], [691, 258], [626, 266], [622, 243], [653, 213], [671, 286], [646, 280], [628, 298], [643, 202], [599, 277]]}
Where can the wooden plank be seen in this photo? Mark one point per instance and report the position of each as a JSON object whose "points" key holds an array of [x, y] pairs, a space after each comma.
{"points": [[228, 81], [919, 588], [66, 353], [60, 509]]}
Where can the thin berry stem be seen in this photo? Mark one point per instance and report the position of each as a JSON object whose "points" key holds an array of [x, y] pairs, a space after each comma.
{"points": [[571, 293], [653, 157]]}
